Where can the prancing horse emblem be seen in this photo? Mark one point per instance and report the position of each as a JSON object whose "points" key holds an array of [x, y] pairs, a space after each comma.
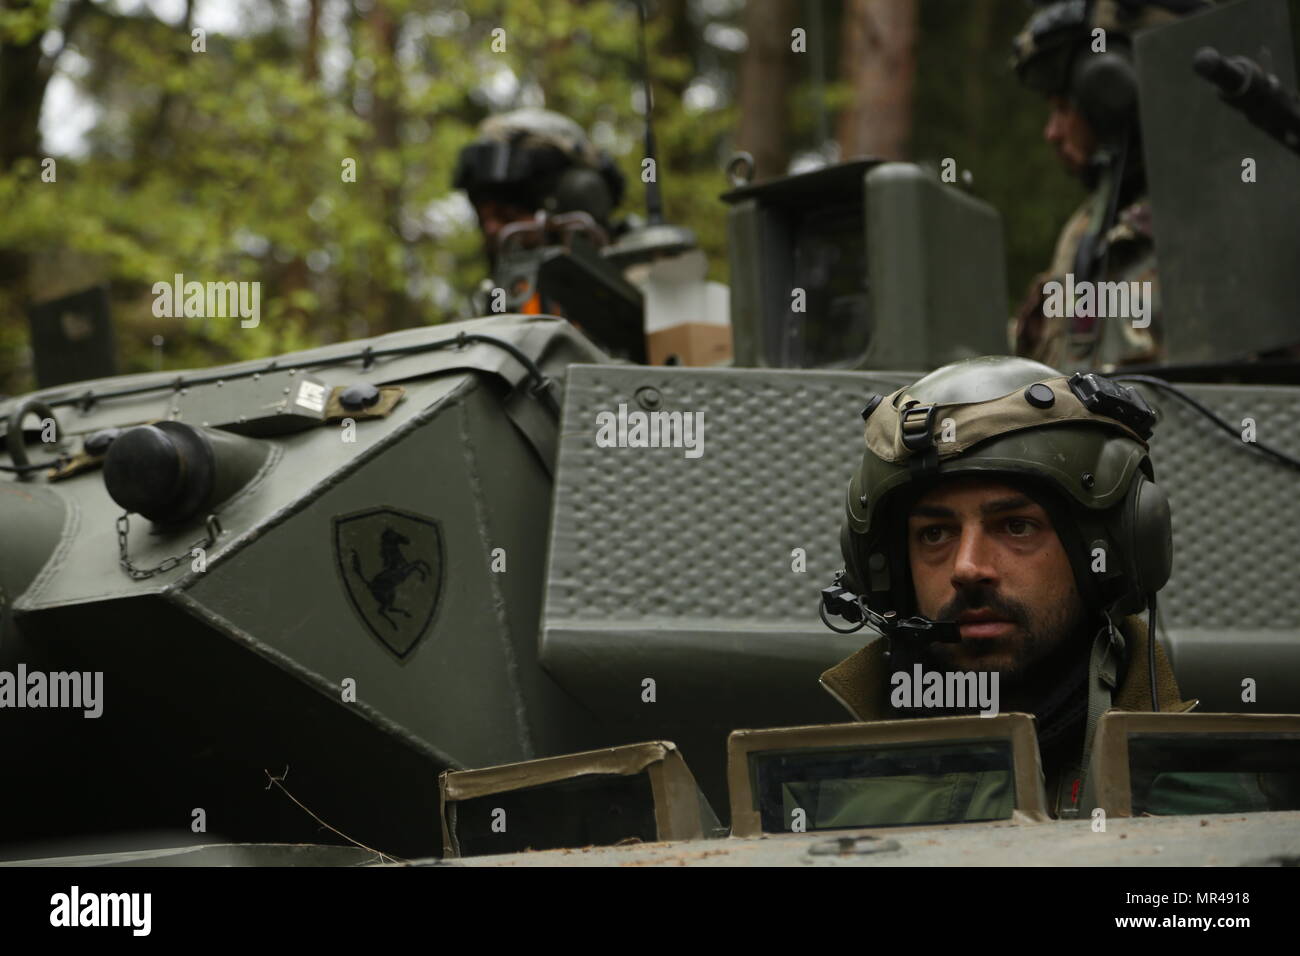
{"points": [[391, 565]]}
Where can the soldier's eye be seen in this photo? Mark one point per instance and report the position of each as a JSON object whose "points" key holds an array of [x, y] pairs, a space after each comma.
{"points": [[1020, 527], [932, 534]]}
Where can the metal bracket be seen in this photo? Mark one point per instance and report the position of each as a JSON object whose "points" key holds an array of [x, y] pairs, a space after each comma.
{"points": [[916, 426]]}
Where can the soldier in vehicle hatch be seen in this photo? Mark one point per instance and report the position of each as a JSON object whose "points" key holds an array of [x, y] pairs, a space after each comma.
{"points": [[1022, 505], [1078, 54], [534, 160]]}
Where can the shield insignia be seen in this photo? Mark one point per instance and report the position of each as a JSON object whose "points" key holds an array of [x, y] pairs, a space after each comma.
{"points": [[392, 569]]}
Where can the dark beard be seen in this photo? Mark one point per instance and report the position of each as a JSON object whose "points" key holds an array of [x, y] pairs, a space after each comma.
{"points": [[1043, 656]]}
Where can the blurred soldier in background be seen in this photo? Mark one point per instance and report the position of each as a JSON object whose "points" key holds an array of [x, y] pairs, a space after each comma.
{"points": [[1078, 53], [533, 161]]}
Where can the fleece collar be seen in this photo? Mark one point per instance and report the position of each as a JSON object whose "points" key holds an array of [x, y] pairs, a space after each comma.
{"points": [[861, 681]]}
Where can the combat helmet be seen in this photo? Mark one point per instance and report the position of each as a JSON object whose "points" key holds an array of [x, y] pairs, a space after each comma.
{"points": [[1082, 50], [539, 159], [1045, 49], [1077, 445]]}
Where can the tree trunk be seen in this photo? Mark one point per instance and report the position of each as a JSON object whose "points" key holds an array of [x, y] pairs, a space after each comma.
{"points": [[385, 123], [311, 60], [24, 75], [766, 72], [22, 90], [878, 61]]}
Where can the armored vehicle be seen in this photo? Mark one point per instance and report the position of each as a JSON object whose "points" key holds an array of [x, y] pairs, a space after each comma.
{"points": [[465, 591]]}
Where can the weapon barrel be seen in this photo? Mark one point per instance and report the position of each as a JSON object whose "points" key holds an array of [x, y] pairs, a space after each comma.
{"points": [[1244, 85]]}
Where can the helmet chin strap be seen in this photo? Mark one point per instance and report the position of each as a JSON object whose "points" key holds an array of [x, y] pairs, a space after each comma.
{"points": [[1103, 678]]}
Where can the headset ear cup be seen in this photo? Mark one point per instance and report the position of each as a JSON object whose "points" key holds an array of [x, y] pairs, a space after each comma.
{"points": [[583, 190], [1151, 537], [1105, 88]]}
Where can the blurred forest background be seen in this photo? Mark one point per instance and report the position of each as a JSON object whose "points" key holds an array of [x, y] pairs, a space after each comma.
{"points": [[225, 164]]}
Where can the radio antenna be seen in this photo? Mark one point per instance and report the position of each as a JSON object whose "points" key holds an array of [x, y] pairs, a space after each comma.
{"points": [[819, 76], [654, 207]]}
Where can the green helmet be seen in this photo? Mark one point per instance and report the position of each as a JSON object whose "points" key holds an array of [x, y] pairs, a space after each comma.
{"points": [[539, 159], [1044, 51], [1082, 50], [1076, 445]]}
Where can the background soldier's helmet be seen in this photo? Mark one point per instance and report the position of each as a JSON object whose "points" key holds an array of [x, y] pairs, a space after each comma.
{"points": [[1059, 53], [539, 159], [1044, 51], [1075, 445]]}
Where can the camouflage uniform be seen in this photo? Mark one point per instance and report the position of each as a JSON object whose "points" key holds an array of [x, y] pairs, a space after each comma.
{"points": [[1085, 341]]}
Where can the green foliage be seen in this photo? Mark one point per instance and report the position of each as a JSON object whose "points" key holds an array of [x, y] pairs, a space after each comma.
{"points": [[227, 165], [20, 23]]}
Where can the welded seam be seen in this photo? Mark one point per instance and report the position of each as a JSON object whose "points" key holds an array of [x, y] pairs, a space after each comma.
{"points": [[498, 600]]}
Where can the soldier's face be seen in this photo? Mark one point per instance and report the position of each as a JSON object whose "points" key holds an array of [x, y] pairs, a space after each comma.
{"points": [[493, 216], [1069, 134], [985, 555]]}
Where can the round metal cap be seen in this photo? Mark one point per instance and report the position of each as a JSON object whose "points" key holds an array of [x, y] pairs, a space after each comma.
{"points": [[359, 396], [163, 472], [870, 407], [144, 469], [1040, 395]]}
